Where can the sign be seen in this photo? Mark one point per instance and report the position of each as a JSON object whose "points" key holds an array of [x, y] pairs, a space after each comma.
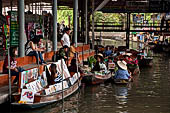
{"points": [[14, 36], [27, 95]]}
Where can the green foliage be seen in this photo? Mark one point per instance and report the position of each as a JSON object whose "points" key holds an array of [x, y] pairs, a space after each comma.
{"points": [[108, 17], [64, 15], [91, 60]]}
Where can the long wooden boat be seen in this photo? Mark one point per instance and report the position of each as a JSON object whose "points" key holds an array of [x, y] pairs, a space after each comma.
{"points": [[95, 78], [43, 100], [148, 61]]}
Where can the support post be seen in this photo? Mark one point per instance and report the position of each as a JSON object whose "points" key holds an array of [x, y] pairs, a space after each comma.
{"points": [[93, 35], [55, 25], [0, 7], [75, 15], [21, 15], [127, 30], [86, 13]]}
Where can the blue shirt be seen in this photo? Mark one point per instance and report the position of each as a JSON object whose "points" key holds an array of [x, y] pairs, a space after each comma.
{"points": [[122, 74], [108, 52]]}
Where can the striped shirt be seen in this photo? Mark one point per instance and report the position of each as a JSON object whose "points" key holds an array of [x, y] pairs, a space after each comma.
{"points": [[58, 78]]}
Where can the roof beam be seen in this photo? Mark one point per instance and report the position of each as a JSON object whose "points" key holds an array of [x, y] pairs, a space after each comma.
{"points": [[101, 5]]}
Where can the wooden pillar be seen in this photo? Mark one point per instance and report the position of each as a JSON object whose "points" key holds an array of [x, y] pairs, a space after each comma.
{"points": [[127, 30], [0, 6]]}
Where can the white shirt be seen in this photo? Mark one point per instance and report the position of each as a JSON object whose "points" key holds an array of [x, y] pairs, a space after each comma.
{"points": [[66, 40]]}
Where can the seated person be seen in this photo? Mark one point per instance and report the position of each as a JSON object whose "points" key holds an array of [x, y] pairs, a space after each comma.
{"points": [[122, 72], [107, 52], [61, 54], [13, 65], [110, 64], [33, 50], [73, 67], [99, 64], [55, 77], [72, 50]]}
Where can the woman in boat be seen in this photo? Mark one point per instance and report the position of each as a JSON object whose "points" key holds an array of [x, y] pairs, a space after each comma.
{"points": [[32, 49], [99, 64], [122, 72], [13, 65], [55, 77], [73, 67], [107, 52]]}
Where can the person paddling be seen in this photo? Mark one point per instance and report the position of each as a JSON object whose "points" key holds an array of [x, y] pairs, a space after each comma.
{"points": [[122, 72]]}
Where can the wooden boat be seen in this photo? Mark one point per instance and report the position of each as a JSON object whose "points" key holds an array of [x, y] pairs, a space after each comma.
{"points": [[134, 69], [43, 100], [121, 81], [148, 61], [95, 78]]}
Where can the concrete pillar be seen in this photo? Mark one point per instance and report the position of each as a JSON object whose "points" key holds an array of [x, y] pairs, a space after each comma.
{"points": [[21, 21], [55, 25], [86, 14], [93, 35], [75, 15], [0, 6]]}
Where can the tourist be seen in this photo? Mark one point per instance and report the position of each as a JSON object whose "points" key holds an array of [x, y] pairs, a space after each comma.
{"points": [[32, 49], [55, 76], [73, 67], [65, 40], [13, 65], [61, 54]]}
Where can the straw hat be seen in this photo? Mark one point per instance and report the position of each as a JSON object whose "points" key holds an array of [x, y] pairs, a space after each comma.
{"points": [[127, 54], [122, 64], [101, 55]]}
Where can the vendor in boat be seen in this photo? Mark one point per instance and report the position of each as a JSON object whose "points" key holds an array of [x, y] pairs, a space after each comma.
{"points": [[110, 64], [73, 67], [55, 77], [107, 52], [100, 63], [122, 72]]}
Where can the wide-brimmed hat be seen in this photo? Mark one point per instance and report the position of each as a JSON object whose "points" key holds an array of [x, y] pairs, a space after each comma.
{"points": [[127, 54], [99, 55], [122, 64]]}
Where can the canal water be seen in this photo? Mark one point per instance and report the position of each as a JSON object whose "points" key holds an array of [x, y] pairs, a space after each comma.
{"points": [[148, 93]]}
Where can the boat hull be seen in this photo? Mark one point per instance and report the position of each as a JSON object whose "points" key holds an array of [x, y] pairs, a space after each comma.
{"points": [[43, 100], [96, 79]]}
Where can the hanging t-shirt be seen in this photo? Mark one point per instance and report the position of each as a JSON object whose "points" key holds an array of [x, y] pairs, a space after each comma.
{"points": [[66, 40]]}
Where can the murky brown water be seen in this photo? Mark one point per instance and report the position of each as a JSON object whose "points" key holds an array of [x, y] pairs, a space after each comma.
{"points": [[149, 93]]}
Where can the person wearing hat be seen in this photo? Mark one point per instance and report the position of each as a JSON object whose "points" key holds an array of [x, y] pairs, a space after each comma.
{"points": [[65, 40], [122, 72], [99, 64]]}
